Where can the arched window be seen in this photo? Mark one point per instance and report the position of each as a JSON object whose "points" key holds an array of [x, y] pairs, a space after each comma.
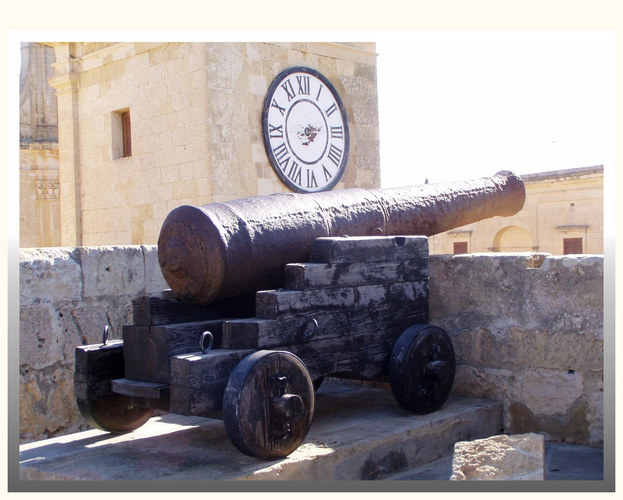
{"points": [[512, 239]]}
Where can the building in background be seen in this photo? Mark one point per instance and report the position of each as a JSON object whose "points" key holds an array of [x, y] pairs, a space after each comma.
{"points": [[563, 214], [146, 127], [38, 135], [113, 136]]}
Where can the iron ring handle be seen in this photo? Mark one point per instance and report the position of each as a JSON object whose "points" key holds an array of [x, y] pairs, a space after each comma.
{"points": [[106, 334], [310, 328], [206, 335]]}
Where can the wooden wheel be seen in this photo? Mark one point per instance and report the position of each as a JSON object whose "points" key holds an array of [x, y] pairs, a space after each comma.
{"points": [[114, 414], [422, 368], [268, 404]]}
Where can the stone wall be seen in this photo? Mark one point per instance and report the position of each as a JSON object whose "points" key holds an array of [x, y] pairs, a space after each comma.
{"points": [[67, 296], [527, 330]]}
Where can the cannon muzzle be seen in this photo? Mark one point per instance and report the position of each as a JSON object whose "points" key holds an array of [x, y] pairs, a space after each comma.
{"points": [[224, 249]]}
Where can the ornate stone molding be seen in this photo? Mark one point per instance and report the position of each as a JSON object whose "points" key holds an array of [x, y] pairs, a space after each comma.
{"points": [[48, 190], [462, 233]]}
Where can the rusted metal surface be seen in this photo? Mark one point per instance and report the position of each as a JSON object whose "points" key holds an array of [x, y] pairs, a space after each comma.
{"points": [[225, 249]]}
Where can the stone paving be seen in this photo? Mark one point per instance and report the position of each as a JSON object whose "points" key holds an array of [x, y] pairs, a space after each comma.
{"points": [[563, 462], [357, 434]]}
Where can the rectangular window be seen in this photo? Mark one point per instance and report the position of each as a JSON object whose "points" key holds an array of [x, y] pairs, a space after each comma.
{"points": [[571, 245], [126, 133], [121, 134], [460, 247]]}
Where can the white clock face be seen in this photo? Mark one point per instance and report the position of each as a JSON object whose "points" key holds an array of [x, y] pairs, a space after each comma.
{"points": [[305, 130]]}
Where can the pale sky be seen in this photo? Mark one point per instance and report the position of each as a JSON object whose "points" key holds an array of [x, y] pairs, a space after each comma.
{"points": [[460, 105], [466, 104]]}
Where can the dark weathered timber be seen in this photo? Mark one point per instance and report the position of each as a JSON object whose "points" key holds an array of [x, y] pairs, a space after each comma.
{"points": [[363, 353], [308, 276], [95, 366], [362, 314], [202, 402], [298, 328], [149, 349], [268, 404], [422, 368], [137, 389], [138, 358], [152, 311], [226, 249], [254, 333], [353, 342], [180, 338], [273, 304], [145, 395], [117, 414], [148, 311], [198, 380], [366, 250]]}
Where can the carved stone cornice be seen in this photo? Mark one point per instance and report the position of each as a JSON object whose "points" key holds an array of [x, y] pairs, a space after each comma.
{"points": [[67, 82], [572, 228]]}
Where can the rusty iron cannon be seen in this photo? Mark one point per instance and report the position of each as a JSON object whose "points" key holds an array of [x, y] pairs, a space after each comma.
{"points": [[351, 306], [224, 249]]}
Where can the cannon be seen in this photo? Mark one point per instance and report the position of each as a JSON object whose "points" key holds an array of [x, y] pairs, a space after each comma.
{"points": [[271, 294], [243, 245]]}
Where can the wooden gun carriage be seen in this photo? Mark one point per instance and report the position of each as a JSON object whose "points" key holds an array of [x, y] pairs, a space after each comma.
{"points": [[351, 306]]}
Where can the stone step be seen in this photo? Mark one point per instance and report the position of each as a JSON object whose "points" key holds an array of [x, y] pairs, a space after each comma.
{"points": [[563, 462], [359, 432], [438, 470]]}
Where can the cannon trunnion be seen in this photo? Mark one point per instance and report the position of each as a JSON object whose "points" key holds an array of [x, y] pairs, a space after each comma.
{"points": [[358, 310]]}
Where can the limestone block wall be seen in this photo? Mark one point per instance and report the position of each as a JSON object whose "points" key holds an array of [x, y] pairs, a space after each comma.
{"points": [[67, 296], [527, 330], [195, 111]]}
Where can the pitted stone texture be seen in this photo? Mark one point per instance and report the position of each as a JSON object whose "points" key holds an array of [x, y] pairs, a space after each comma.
{"points": [[532, 291], [358, 433], [154, 281], [519, 457], [542, 392], [45, 274], [67, 296], [112, 271], [527, 330], [483, 301]]}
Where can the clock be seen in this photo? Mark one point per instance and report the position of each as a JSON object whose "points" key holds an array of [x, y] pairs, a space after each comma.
{"points": [[305, 130]]}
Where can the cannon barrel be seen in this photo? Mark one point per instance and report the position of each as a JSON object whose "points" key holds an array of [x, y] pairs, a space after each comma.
{"points": [[224, 249]]}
